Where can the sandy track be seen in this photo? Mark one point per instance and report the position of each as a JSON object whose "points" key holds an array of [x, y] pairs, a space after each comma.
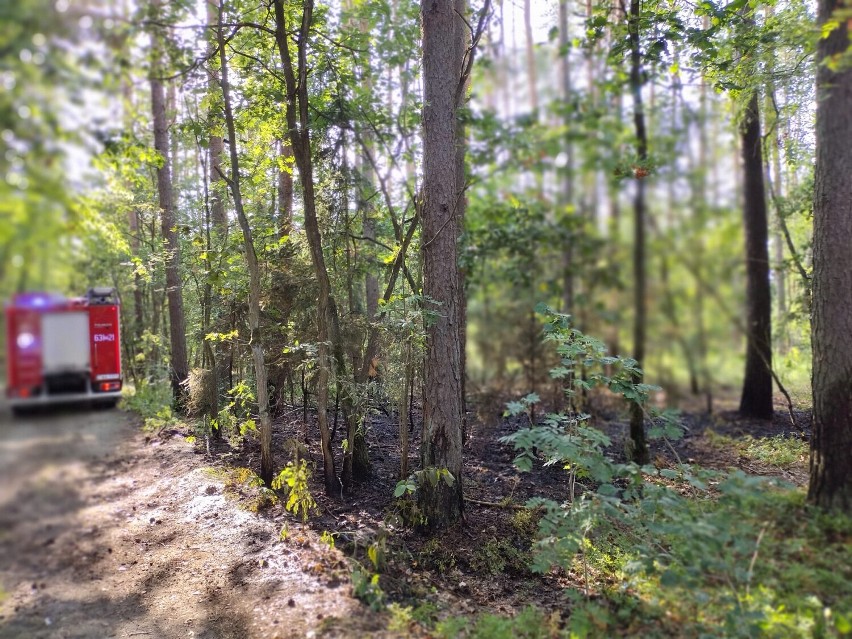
{"points": [[105, 533]]}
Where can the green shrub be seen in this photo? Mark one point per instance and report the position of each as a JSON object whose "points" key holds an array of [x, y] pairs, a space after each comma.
{"points": [[293, 480], [152, 401], [694, 552]]}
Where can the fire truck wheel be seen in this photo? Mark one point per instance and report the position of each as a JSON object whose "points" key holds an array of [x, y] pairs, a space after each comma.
{"points": [[106, 404], [22, 411]]}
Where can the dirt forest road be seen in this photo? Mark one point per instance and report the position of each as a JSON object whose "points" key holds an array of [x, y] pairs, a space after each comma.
{"points": [[106, 533]]}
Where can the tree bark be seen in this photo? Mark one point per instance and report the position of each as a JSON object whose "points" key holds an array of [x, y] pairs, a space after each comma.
{"points": [[568, 170], [463, 43], [285, 193], [756, 400], [255, 338], [441, 504], [831, 444], [638, 447], [216, 144], [298, 124], [179, 366], [530, 49]]}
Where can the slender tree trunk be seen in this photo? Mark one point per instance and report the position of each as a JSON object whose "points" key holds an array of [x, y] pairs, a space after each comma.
{"points": [[831, 444], [532, 78], [463, 42], [135, 230], [568, 171], [285, 192], [357, 462], [441, 504], [639, 448], [756, 400], [700, 205], [255, 338], [216, 146], [774, 180], [298, 123], [179, 366]]}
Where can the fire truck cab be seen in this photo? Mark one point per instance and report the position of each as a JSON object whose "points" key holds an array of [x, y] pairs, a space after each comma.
{"points": [[62, 350]]}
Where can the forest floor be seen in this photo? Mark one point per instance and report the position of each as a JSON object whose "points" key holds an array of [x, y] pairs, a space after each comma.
{"points": [[108, 531]]}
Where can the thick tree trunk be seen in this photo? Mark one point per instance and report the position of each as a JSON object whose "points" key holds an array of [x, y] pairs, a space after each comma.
{"points": [[179, 366], [831, 444], [638, 446], [255, 339], [756, 400], [298, 123], [441, 504]]}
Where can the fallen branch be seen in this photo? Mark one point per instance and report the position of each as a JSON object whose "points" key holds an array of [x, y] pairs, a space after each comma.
{"points": [[495, 504]]}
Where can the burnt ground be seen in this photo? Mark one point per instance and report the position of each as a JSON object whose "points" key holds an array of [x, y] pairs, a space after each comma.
{"points": [[481, 565], [106, 531]]}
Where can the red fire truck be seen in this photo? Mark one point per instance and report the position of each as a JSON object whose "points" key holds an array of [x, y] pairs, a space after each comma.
{"points": [[63, 349]]}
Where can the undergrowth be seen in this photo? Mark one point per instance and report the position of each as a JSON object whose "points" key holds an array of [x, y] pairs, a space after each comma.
{"points": [[678, 551], [780, 451], [152, 401]]}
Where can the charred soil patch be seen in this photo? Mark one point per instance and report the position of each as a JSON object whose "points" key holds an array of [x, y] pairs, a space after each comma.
{"points": [[482, 564]]}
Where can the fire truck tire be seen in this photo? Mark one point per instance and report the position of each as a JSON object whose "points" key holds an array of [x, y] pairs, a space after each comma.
{"points": [[22, 411], [106, 404]]}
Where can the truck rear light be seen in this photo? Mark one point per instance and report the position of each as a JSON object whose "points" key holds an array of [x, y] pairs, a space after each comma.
{"points": [[25, 340], [24, 392], [109, 386]]}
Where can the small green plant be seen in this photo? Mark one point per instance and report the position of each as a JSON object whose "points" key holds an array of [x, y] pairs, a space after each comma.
{"points": [[525, 523], [434, 556], [366, 588], [401, 620], [497, 556], [377, 554], [417, 478], [234, 420], [293, 480], [405, 510], [425, 613], [327, 538], [530, 623], [244, 485]]}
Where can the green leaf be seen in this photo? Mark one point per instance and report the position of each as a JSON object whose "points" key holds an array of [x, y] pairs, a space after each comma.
{"points": [[828, 28]]}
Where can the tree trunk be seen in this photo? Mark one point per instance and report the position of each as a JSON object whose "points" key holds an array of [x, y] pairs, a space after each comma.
{"points": [[530, 48], [638, 446], [298, 124], [831, 444], [285, 193], [463, 43], [179, 366], [756, 400], [441, 504], [568, 170], [255, 339], [216, 145]]}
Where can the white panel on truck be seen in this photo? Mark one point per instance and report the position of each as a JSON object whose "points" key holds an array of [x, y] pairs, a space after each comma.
{"points": [[65, 342]]}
